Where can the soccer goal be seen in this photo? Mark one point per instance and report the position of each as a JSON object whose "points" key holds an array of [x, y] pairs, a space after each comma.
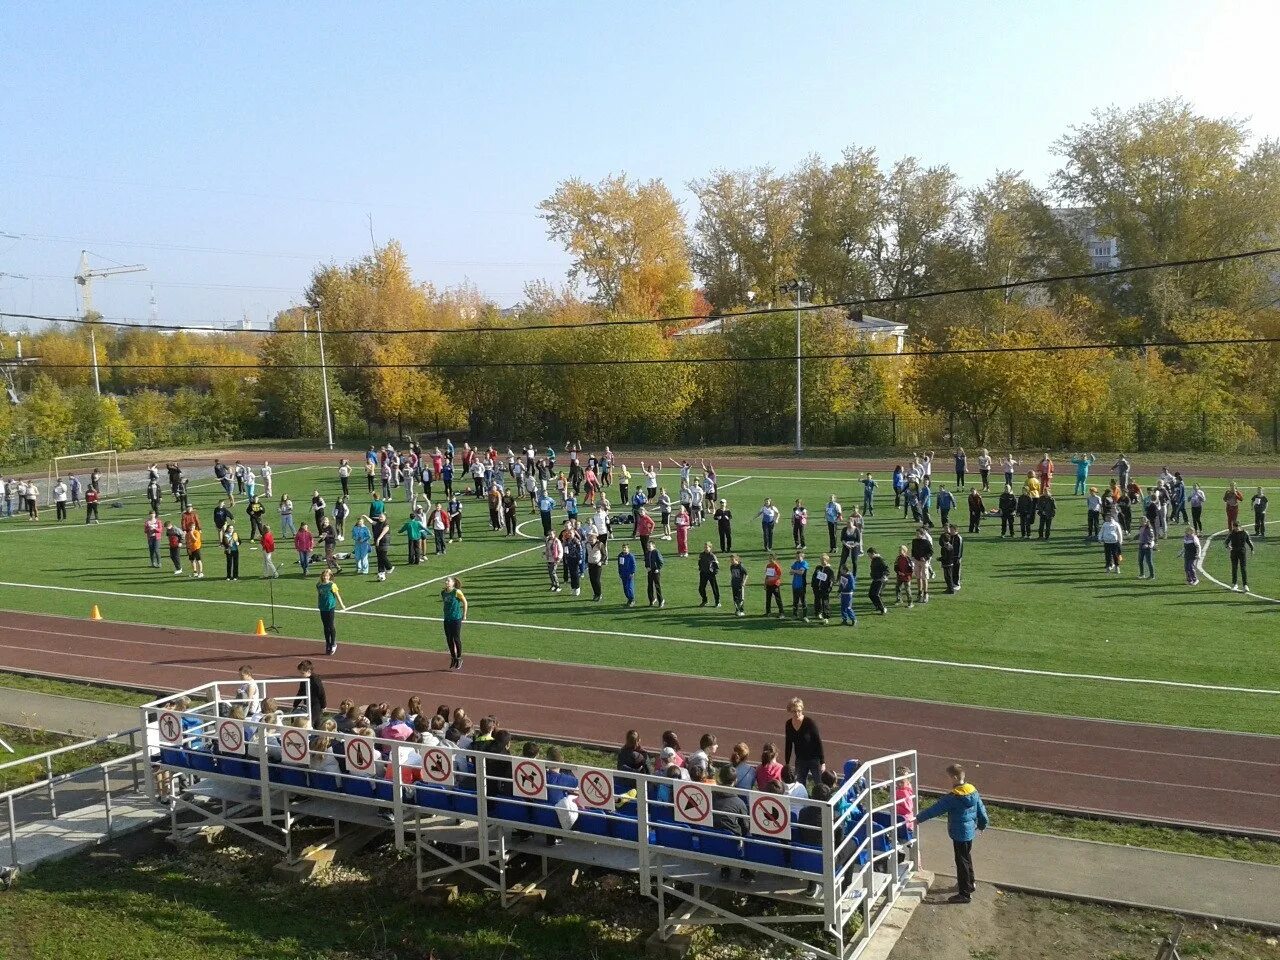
{"points": [[82, 465]]}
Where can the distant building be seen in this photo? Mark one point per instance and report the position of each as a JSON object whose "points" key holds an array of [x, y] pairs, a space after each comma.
{"points": [[868, 327], [1104, 251]]}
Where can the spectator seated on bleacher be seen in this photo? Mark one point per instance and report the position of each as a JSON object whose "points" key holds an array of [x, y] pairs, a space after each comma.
{"points": [[744, 771], [729, 815], [397, 726], [770, 769]]}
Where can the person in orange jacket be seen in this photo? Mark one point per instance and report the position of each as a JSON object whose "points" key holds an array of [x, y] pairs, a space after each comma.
{"points": [[772, 586]]}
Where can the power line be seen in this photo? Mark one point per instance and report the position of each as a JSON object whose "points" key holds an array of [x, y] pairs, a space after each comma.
{"points": [[759, 311], [648, 361]]}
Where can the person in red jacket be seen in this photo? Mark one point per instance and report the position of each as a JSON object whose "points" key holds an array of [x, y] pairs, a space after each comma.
{"points": [[772, 586], [268, 548], [644, 530], [91, 505]]}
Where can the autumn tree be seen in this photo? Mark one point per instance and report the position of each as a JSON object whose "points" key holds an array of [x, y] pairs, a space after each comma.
{"points": [[628, 244]]}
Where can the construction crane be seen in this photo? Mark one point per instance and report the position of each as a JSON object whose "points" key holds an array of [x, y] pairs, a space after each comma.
{"points": [[84, 280]]}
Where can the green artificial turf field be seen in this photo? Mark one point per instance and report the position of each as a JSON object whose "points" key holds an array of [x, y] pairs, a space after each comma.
{"points": [[1036, 612]]}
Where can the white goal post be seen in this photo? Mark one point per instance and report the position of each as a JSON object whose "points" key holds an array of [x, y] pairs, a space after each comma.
{"points": [[82, 465]]}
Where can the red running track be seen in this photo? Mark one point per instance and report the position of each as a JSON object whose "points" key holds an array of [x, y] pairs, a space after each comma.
{"points": [[1158, 773]]}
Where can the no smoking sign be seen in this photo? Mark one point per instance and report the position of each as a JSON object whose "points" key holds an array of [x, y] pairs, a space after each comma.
{"points": [[770, 817]]}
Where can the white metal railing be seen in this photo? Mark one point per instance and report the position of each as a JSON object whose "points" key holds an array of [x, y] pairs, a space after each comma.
{"points": [[49, 783], [850, 854]]}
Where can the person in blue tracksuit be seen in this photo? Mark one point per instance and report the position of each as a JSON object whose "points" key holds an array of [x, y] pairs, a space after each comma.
{"points": [[847, 583], [966, 815], [627, 573]]}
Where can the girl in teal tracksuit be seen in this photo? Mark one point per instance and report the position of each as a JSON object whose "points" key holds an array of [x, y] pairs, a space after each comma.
{"points": [[361, 542], [966, 815]]}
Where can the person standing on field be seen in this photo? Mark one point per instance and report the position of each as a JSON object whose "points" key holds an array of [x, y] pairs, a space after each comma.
{"points": [[847, 583], [724, 525], [822, 580], [60, 500], [708, 568], [773, 586], [768, 515], [738, 585], [328, 599], [174, 537], [1238, 541], [1259, 504], [627, 573], [151, 527], [268, 554], [966, 817], [799, 588], [879, 577], [1232, 500], [1082, 461], [835, 516], [653, 569], [90, 505]]}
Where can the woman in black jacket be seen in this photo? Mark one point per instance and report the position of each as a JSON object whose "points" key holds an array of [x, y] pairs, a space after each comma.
{"points": [[805, 743]]}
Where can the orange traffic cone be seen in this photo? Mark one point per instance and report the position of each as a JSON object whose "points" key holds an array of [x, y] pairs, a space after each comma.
{"points": [[260, 632], [95, 614]]}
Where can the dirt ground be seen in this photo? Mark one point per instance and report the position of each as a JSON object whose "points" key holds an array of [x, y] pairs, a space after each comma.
{"points": [[1012, 926]]}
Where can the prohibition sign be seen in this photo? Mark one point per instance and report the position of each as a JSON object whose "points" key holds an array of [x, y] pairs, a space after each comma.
{"points": [[770, 817], [529, 780], [294, 747], [437, 766], [595, 791], [170, 728], [693, 804], [230, 736], [360, 755]]}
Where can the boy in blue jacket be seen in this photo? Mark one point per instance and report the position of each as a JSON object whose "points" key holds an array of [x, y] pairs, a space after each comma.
{"points": [[627, 573], [965, 817]]}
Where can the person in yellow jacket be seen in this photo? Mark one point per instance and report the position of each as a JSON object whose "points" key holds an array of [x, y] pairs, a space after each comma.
{"points": [[1032, 486]]}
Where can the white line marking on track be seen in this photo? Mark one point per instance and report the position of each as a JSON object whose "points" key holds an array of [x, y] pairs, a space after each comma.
{"points": [[1225, 586], [666, 718], [168, 644], [149, 596]]}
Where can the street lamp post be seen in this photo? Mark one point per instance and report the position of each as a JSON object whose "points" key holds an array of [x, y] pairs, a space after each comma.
{"points": [[796, 286], [324, 380]]}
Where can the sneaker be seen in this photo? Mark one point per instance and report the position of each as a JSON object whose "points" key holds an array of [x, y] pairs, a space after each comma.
{"points": [[390, 570], [178, 573], [718, 602], [741, 614], [806, 619], [703, 603], [577, 591], [1234, 588], [661, 604], [381, 577]]}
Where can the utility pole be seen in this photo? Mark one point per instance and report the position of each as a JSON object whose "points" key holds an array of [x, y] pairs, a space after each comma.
{"points": [[796, 286], [324, 380]]}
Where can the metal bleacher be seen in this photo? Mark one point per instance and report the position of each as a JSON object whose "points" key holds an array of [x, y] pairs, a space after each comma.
{"points": [[830, 870]]}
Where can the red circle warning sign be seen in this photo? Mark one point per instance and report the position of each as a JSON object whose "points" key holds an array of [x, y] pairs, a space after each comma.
{"points": [[595, 790], [437, 766], [529, 780], [230, 736], [170, 728], [770, 817], [360, 755], [294, 747], [692, 804]]}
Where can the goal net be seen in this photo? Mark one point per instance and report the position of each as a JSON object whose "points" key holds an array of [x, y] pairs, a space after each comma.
{"points": [[81, 466]]}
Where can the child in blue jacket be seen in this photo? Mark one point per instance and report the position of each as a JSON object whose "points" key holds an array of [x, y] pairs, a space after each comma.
{"points": [[966, 815]]}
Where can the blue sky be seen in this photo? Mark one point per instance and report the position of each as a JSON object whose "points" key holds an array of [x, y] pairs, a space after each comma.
{"points": [[271, 130]]}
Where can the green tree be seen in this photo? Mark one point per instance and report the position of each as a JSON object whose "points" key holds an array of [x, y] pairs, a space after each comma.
{"points": [[1171, 184]]}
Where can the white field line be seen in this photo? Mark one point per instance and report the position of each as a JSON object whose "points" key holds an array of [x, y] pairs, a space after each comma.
{"points": [[957, 665], [691, 641], [425, 583], [832, 477], [1225, 586], [150, 596]]}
